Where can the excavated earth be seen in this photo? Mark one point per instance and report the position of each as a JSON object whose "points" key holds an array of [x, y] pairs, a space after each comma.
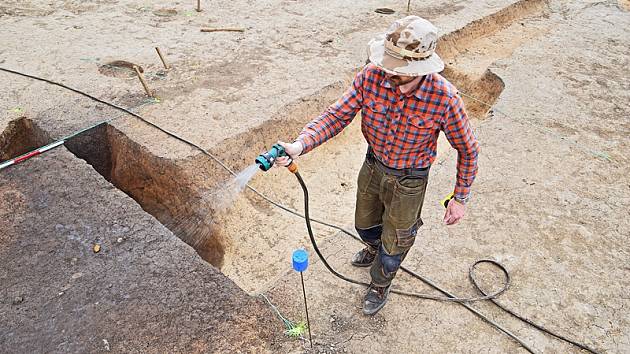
{"points": [[546, 83]]}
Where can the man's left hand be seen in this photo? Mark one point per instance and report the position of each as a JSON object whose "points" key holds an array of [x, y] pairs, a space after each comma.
{"points": [[454, 212]]}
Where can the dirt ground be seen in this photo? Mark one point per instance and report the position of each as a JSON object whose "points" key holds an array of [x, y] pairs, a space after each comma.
{"points": [[550, 201]]}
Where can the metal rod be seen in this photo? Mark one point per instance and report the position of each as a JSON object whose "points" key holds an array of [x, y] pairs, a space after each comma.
{"points": [[161, 57], [308, 322], [144, 83], [198, 5]]}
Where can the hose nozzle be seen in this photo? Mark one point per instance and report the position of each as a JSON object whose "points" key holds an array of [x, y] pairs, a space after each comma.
{"points": [[266, 160]]}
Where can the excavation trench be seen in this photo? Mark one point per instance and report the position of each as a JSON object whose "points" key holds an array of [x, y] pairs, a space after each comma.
{"points": [[161, 186], [459, 41]]}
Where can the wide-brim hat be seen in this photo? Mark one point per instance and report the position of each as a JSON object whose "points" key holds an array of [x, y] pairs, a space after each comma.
{"points": [[407, 48]]}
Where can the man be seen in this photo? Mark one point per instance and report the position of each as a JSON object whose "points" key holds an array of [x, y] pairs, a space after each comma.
{"points": [[404, 105]]}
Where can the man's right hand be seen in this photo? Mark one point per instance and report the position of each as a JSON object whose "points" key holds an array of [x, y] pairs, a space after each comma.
{"points": [[294, 150]]}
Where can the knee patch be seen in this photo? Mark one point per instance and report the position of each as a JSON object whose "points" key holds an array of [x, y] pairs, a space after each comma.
{"points": [[390, 263], [371, 235]]}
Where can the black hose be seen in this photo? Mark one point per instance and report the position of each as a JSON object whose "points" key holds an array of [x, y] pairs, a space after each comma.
{"points": [[450, 297]]}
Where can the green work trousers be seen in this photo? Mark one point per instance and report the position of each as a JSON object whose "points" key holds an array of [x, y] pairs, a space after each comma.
{"points": [[387, 216]]}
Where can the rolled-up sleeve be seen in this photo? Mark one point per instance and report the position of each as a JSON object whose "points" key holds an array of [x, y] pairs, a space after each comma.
{"points": [[459, 133]]}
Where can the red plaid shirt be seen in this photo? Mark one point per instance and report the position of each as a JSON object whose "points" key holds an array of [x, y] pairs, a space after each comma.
{"points": [[402, 129]]}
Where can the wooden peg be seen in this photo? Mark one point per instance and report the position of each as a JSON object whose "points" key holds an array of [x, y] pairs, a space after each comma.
{"points": [[144, 83], [161, 58]]}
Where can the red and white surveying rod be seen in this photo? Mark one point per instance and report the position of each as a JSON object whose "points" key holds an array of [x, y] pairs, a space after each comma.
{"points": [[61, 141], [30, 154]]}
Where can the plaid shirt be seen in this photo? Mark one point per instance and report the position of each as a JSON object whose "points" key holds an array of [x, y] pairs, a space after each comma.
{"points": [[402, 129]]}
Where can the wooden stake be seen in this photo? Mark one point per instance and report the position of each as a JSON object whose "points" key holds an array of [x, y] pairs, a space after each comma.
{"points": [[408, 5], [144, 83], [198, 5], [223, 30], [161, 57]]}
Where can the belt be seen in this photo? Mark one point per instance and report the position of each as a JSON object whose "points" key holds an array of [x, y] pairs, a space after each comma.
{"points": [[419, 172]]}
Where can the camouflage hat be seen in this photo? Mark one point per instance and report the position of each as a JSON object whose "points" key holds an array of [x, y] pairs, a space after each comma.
{"points": [[407, 48]]}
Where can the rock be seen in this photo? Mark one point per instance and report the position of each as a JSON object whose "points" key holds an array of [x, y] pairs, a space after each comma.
{"points": [[106, 343]]}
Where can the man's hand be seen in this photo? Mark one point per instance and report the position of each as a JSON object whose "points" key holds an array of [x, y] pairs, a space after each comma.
{"points": [[454, 212], [294, 150]]}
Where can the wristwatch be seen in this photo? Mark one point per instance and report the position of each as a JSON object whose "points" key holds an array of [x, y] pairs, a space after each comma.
{"points": [[462, 201]]}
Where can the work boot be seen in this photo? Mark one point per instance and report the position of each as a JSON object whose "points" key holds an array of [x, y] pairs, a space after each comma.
{"points": [[364, 257], [375, 299]]}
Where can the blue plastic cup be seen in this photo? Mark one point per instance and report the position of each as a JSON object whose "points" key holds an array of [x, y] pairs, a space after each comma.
{"points": [[300, 260]]}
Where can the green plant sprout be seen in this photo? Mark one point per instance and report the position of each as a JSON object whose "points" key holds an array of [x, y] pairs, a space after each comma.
{"points": [[297, 330], [292, 330]]}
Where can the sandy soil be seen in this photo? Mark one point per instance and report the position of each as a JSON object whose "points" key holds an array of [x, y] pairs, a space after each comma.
{"points": [[546, 203]]}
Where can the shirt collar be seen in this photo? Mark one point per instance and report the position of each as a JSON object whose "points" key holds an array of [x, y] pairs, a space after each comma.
{"points": [[418, 92]]}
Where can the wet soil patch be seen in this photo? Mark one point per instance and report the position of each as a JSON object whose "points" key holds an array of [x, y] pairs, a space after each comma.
{"points": [[120, 69]]}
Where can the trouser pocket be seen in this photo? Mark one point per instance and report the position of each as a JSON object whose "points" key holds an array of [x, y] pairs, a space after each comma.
{"points": [[405, 237], [407, 200]]}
